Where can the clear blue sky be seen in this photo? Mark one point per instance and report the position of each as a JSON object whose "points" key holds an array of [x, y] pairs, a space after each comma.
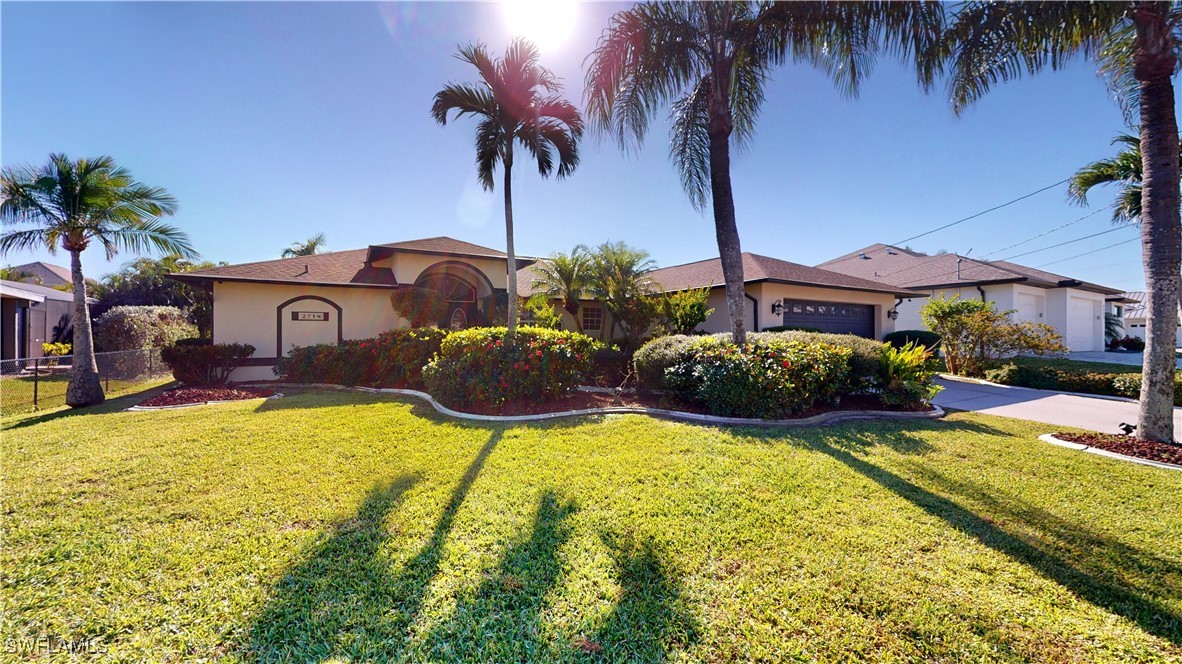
{"points": [[271, 122]]}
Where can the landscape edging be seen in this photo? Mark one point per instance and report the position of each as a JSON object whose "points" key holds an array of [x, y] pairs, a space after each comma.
{"points": [[824, 419], [203, 403], [1080, 447]]}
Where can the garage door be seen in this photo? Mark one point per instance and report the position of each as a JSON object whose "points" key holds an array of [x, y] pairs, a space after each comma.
{"points": [[1081, 331], [831, 317]]}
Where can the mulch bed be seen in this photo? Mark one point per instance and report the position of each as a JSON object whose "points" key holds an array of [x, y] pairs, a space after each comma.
{"points": [[1127, 445], [191, 395]]}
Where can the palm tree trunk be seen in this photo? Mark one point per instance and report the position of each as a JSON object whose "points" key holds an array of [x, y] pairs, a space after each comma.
{"points": [[727, 232], [511, 257], [1161, 228], [85, 388]]}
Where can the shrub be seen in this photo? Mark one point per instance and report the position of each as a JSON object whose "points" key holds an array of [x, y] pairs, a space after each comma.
{"points": [[539, 311], [974, 335], [482, 367], [609, 366], [421, 307], [764, 379], [864, 353], [394, 358], [654, 358], [1133, 343], [1087, 382], [791, 328], [901, 338], [56, 349], [134, 328], [905, 375], [1129, 385], [685, 310], [204, 364]]}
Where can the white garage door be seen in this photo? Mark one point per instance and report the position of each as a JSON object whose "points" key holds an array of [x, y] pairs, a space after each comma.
{"points": [[1081, 319]]}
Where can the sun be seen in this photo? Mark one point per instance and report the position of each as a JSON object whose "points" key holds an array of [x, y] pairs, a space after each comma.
{"points": [[547, 23]]}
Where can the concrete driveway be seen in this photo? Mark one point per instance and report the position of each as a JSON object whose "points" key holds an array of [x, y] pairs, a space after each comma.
{"points": [[1131, 359], [1083, 412]]}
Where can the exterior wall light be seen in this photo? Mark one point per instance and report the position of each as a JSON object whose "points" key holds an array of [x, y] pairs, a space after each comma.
{"points": [[777, 308], [893, 313]]}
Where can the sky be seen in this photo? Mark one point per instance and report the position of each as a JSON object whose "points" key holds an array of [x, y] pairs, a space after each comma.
{"points": [[271, 122]]}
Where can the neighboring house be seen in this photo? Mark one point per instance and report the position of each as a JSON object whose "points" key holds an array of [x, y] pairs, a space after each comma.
{"points": [[1134, 317], [49, 275], [31, 315], [327, 298], [1073, 307]]}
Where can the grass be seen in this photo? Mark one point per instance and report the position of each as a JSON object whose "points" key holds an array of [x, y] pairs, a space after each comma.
{"points": [[1076, 365], [365, 528], [16, 393]]}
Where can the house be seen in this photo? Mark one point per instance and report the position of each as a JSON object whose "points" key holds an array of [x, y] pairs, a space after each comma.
{"points": [[327, 298], [45, 274], [1134, 317], [31, 315], [1073, 307]]}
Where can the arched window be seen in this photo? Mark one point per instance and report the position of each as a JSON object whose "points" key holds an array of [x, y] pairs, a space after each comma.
{"points": [[459, 320], [453, 288]]}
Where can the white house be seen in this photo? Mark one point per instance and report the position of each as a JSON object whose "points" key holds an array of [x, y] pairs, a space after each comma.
{"points": [[1134, 317], [1073, 307]]}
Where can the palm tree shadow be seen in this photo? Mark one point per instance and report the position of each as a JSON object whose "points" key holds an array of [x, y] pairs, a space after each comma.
{"points": [[344, 600], [1150, 614], [510, 601], [651, 620]]}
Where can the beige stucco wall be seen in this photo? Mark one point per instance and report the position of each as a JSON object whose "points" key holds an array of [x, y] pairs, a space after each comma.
{"points": [[408, 267]]}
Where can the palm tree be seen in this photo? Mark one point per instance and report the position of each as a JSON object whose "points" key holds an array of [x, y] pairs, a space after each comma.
{"points": [[309, 247], [620, 278], [709, 61], [1124, 169], [517, 101], [566, 277], [10, 273], [71, 204], [1137, 47]]}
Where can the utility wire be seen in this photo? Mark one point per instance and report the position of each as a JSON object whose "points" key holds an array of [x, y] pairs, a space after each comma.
{"points": [[1078, 239], [1061, 260], [1057, 228], [974, 216]]}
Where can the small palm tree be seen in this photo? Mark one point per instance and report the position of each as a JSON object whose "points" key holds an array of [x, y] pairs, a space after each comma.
{"points": [[566, 277], [620, 278], [1124, 169], [1136, 45], [309, 247], [10, 273], [71, 204], [709, 62], [517, 102]]}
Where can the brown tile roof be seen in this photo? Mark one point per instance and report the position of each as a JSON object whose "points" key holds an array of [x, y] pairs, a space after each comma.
{"points": [[765, 268], [910, 269], [337, 267], [445, 245]]}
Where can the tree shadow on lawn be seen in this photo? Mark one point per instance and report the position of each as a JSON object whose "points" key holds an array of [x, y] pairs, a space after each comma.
{"points": [[901, 436], [343, 600], [1078, 576], [113, 404]]}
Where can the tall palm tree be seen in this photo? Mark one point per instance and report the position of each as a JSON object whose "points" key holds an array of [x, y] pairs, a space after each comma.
{"points": [[709, 61], [566, 277], [73, 203], [309, 247], [1136, 44], [1124, 169], [518, 102]]}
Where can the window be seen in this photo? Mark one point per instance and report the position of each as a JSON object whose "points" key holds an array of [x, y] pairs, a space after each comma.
{"points": [[592, 319]]}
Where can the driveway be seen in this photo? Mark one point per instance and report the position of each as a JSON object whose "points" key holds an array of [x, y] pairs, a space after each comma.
{"points": [[1056, 408], [1132, 359]]}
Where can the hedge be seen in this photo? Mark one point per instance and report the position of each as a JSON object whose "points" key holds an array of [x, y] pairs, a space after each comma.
{"points": [[204, 363], [481, 366], [900, 338], [1086, 382], [136, 328], [392, 359]]}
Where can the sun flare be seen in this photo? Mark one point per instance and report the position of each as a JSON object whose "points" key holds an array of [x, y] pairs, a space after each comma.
{"points": [[547, 23]]}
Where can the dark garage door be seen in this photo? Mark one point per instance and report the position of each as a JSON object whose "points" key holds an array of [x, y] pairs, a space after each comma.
{"points": [[831, 317]]}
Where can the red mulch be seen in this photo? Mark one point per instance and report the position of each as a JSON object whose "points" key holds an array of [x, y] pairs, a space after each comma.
{"points": [[586, 400], [190, 395], [1127, 445]]}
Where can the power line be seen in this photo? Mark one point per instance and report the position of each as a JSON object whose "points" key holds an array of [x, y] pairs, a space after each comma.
{"points": [[1057, 228], [974, 216], [1078, 239], [1086, 253]]}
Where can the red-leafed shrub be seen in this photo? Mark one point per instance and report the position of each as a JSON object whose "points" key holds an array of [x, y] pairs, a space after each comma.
{"points": [[393, 359]]}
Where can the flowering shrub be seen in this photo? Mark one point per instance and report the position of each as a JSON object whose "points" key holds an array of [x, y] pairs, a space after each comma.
{"points": [[135, 327], [481, 366], [394, 358], [419, 306], [766, 379]]}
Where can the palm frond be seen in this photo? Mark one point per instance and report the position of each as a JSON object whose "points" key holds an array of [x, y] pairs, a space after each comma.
{"points": [[464, 99], [689, 145], [25, 240], [146, 235], [490, 141]]}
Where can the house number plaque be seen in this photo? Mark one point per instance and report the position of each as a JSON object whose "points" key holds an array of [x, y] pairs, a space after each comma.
{"points": [[309, 315]]}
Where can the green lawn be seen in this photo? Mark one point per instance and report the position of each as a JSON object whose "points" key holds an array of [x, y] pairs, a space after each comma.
{"points": [[16, 393], [350, 527]]}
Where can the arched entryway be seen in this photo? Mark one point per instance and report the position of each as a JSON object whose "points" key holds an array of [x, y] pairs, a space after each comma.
{"points": [[462, 286]]}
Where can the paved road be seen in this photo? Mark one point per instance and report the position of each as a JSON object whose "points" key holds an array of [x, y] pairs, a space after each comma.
{"points": [[1042, 406]]}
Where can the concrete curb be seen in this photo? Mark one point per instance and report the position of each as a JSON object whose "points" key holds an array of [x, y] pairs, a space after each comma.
{"points": [[824, 419], [979, 381], [195, 405], [1050, 438]]}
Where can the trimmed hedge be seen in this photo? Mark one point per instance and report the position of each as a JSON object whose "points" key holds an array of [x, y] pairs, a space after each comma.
{"points": [[900, 338], [1086, 382], [765, 379], [392, 359], [656, 357], [136, 328], [482, 367], [204, 364], [792, 328]]}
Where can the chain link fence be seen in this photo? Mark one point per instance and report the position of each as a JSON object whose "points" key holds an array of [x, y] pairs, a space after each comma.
{"points": [[29, 384]]}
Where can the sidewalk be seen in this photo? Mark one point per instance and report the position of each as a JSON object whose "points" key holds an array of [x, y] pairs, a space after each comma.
{"points": [[1056, 408]]}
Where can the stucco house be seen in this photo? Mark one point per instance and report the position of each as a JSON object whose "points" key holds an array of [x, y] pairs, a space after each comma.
{"points": [[45, 274], [327, 298], [1075, 308], [1134, 317], [31, 315]]}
